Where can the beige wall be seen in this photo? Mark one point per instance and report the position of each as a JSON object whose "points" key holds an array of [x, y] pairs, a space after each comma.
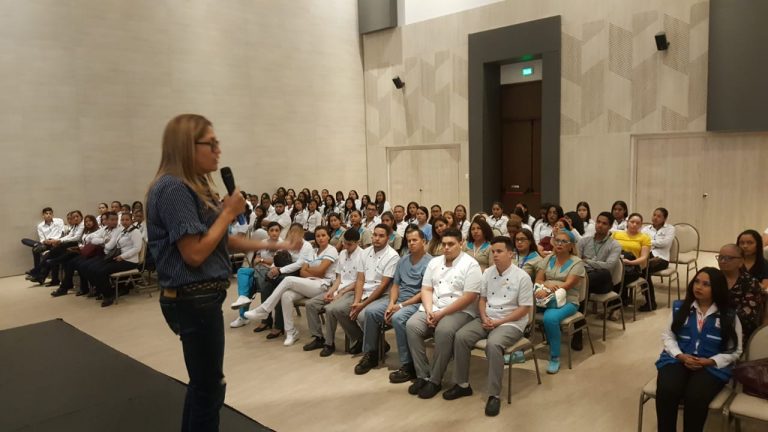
{"points": [[88, 86], [614, 84]]}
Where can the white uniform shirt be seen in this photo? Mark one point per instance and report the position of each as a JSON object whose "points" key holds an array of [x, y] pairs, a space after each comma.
{"points": [[589, 228], [50, 231], [301, 218], [129, 241], [102, 236], [401, 226], [377, 265], [541, 230], [499, 224], [75, 233], [506, 292], [661, 240], [450, 283], [463, 226], [314, 220], [371, 224], [619, 226], [331, 254], [284, 219], [305, 254], [348, 266]]}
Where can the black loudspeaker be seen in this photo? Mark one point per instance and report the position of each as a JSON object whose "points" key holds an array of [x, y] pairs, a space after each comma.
{"points": [[661, 41], [398, 82]]}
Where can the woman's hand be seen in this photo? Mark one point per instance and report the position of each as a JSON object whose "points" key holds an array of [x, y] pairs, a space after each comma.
{"points": [[540, 294], [233, 204]]}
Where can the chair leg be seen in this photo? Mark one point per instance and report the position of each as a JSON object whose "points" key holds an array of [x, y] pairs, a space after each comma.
{"points": [[623, 325], [570, 354], [509, 383], [634, 304], [640, 412], [605, 318], [677, 280], [589, 338], [535, 364]]}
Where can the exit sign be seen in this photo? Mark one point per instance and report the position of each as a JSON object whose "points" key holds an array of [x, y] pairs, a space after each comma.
{"points": [[526, 71]]}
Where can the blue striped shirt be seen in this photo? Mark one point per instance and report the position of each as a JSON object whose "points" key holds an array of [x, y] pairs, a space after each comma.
{"points": [[174, 211]]}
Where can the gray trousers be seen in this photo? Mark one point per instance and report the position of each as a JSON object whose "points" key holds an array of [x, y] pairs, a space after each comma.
{"points": [[374, 317], [313, 307], [337, 312], [444, 334], [498, 340]]}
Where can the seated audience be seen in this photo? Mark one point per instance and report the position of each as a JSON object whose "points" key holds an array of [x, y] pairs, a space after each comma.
{"points": [[527, 218], [585, 215], [336, 230], [329, 206], [121, 254], [315, 275], [410, 216], [700, 347], [450, 219], [364, 201], [248, 278], [60, 250], [600, 254], [314, 219], [662, 236], [479, 244], [349, 207], [542, 232], [371, 218], [377, 269], [574, 224], [356, 223], [339, 202], [619, 210], [281, 216], [299, 213], [450, 289], [435, 245], [751, 244], [90, 229], [337, 300], [525, 255], [355, 199], [423, 223], [636, 248], [91, 253], [506, 298], [395, 240], [400, 223], [745, 292], [382, 205], [460, 218], [48, 230], [561, 270], [498, 220], [434, 212]]}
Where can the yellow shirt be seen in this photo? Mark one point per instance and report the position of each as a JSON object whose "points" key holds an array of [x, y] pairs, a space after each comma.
{"points": [[632, 243]]}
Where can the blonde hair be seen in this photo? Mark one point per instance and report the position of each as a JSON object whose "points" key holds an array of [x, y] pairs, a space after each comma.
{"points": [[178, 155]]}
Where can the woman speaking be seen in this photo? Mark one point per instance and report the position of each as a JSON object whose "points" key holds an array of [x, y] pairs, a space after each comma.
{"points": [[187, 227]]}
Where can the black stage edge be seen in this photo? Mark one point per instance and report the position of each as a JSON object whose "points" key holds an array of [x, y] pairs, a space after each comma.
{"points": [[53, 377]]}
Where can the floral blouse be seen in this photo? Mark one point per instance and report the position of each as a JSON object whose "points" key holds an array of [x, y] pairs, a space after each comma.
{"points": [[747, 297]]}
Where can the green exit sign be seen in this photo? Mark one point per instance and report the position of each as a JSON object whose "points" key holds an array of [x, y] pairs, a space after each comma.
{"points": [[526, 71]]}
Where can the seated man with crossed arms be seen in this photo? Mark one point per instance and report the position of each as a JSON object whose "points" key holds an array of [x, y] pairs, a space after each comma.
{"points": [[506, 298], [449, 295]]}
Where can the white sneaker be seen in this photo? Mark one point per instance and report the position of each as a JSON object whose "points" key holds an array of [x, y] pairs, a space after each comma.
{"points": [[257, 314], [240, 302], [291, 338], [239, 322]]}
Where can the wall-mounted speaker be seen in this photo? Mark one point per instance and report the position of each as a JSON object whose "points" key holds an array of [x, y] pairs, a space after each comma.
{"points": [[398, 82], [661, 41]]}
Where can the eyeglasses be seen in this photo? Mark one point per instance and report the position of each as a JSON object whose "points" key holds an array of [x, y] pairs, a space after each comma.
{"points": [[213, 144], [561, 242], [726, 258]]}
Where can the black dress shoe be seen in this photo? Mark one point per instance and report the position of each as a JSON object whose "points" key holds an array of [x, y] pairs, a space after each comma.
{"points": [[262, 327], [52, 283], [492, 406], [404, 374], [317, 343], [81, 293], [368, 362], [576, 342], [415, 388], [327, 350], [429, 390], [273, 335], [108, 301], [357, 348], [456, 392], [58, 293]]}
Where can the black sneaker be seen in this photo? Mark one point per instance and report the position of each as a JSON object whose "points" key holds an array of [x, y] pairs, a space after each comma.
{"points": [[492, 406], [58, 293], [404, 374], [576, 342], [415, 388], [429, 390], [368, 362], [317, 343], [107, 301], [357, 348], [456, 392], [327, 350]]}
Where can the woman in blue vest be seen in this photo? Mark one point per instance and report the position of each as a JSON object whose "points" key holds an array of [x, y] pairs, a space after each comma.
{"points": [[700, 348]]}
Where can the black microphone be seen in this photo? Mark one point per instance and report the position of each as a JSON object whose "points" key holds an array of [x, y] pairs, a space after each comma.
{"points": [[229, 182]]}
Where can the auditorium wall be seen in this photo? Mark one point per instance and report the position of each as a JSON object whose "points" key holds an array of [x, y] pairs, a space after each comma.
{"points": [[88, 86], [614, 84]]}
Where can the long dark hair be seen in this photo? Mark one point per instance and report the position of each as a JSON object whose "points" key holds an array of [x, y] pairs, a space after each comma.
{"points": [[380, 204], [576, 221], [721, 298], [586, 206], [760, 266]]}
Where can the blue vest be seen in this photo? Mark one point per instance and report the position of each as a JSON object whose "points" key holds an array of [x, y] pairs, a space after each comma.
{"points": [[704, 344]]}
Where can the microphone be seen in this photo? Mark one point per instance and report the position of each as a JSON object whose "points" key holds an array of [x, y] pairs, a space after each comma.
{"points": [[229, 182]]}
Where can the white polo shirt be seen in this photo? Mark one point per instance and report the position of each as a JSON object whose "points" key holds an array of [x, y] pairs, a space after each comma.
{"points": [[50, 231], [348, 266], [506, 292], [371, 224], [329, 253], [661, 240], [499, 224], [450, 283], [377, 265], [314, 220], [284, 219]]}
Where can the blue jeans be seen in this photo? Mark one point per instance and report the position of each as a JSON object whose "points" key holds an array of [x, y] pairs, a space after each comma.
{"points": [[399, 319], [200, 325], [552, 318]]}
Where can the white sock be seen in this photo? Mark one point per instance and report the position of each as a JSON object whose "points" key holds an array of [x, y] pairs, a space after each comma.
{"points": [[464, 385]]}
